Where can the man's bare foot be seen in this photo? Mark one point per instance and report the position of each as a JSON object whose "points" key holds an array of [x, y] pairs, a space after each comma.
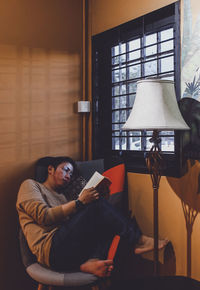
{"points": [[100, 268], [146, 244]]}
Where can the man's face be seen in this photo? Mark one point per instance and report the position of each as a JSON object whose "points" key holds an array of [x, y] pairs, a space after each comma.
{"points": [[62, 174]]}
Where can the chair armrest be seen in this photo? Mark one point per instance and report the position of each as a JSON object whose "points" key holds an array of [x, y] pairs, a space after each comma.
{"points": [[48, 277]]}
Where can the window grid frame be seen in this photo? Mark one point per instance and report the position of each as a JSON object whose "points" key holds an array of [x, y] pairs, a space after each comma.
{"points": [[117, 135]]}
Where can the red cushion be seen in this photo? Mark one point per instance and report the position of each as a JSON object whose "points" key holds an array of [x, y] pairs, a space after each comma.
{"points": [[116, 175]]}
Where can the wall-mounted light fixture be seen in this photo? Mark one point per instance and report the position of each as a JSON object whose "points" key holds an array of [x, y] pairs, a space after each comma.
{"points": [[83, 107]]}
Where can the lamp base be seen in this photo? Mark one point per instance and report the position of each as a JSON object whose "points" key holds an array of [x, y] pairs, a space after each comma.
{"points": [[154, 163]]}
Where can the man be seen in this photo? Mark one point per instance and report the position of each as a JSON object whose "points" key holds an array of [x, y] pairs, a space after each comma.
{"points": [[75, 234]]}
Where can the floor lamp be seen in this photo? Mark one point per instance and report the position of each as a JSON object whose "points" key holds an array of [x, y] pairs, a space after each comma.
{"points": [[155, 109]]}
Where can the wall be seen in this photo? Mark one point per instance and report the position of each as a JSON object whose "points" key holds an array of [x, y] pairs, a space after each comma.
{"points": [[108, 14], [179, 201], [40, 81], [171, 217], [179, 205]]}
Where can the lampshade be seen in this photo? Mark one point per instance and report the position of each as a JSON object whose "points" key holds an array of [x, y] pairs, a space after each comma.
{"points": [[155, 107]]}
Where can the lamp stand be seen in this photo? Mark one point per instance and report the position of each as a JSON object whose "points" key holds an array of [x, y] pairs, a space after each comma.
{"points": [[154, 163]]}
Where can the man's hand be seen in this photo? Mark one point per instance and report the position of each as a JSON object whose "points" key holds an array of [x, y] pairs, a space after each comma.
{"points": [[88, 195], [103, 189]]}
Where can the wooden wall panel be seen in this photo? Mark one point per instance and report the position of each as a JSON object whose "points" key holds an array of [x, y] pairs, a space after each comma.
{"points": [[40, 82], [37, 97]]}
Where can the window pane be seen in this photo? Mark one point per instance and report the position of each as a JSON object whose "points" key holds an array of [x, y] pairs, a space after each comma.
{"points": [[122, 58], [128, 113], [122, 89], [115, 60], [134, 133], [150, 39], [134, 55], [167, 144], [123, 133], [115, 117], [115, 143], [167, 133], [115, 126], [123, 143], [132, 87], [151, 50], [148, 133], [150, 68], [134, 44], [135, 143], [115, 76], [168, 45], [115, 50], [123, 48], [123, 116], [115, 103], [123, 102], [122, 74], [166, 34], [131, 100], [167, 64], [148, 144], [119, 143], [134, 71], [115, 90], [115, 134]]}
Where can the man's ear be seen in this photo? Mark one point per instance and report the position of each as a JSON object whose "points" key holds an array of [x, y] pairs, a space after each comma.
{"points": [[51, 170]]}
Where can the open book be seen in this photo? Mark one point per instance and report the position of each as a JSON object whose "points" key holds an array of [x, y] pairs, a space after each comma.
{"points": [[99, 182]]}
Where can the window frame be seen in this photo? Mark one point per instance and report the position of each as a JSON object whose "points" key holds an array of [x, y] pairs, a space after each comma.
{"points": [[124, 83], [167, 16]]}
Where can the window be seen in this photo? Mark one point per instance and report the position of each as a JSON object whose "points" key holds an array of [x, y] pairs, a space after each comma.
{"points": [[145, 47], [150, 55]]}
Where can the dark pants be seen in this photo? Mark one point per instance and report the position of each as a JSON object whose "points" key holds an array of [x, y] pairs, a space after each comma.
{"points": [[88, 234]]}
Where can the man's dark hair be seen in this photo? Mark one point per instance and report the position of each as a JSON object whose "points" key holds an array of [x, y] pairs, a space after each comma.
{"points": [[41, 167], [56, 161]]}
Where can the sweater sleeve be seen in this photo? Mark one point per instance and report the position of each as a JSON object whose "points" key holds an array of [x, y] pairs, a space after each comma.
{"points": [[32, 203]]}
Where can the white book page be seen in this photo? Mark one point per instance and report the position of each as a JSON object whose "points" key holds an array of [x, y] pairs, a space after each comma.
{"points": [[94, 181]]}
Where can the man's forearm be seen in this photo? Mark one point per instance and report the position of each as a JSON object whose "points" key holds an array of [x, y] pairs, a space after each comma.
{"points": [[69, 208]]}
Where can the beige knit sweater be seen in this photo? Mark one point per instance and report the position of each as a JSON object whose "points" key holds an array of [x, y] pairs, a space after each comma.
{"points": [[40, 213]]}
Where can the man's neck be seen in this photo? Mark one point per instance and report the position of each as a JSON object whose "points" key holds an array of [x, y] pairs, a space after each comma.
{"points": [[51, 186], [48, 184]]}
